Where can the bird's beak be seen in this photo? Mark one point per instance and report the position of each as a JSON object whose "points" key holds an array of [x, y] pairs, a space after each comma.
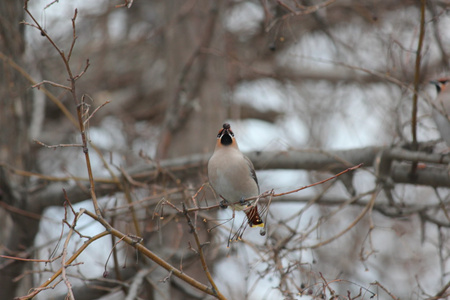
{"points": [[226, 130]]}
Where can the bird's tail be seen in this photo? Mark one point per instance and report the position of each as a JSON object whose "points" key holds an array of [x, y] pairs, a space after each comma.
{"points": [[253, 217]]}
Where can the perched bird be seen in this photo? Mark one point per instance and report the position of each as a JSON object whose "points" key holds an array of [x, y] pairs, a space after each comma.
{"points": [[441, 108], [233, 177]]}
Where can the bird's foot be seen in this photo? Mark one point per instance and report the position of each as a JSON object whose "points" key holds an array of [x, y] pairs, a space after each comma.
{"points": [[223, 203], [242, 201]]}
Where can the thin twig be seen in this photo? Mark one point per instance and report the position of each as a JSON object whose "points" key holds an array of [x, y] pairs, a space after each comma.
{"points": [[74, 36], [78, 76], [319, 182], [61, 86], [56, 146], [95, 111], [29, 259]]}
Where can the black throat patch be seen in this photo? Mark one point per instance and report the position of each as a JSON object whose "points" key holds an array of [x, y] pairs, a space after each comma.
{"points": [[226, 140]]}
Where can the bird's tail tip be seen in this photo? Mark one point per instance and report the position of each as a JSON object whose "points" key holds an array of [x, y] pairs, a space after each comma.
{"points": [[254, 220]]}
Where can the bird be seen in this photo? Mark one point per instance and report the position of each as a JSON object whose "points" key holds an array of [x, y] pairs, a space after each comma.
{"points": [[441, 108], [232, 176]]}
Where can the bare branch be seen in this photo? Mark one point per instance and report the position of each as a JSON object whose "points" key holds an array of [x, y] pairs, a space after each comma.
{"points": [[201, 254], [56, 146], [38, 85], [93, 113]]}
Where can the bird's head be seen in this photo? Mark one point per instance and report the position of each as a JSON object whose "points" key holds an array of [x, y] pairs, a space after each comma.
{"points": [[441, 84], [226, 135]]}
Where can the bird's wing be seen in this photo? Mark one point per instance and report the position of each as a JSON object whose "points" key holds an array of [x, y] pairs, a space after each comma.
{"points": [[251, 168]]}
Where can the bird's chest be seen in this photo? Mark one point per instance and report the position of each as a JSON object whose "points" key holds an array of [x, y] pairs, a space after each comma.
{"points": [[232, 179]]}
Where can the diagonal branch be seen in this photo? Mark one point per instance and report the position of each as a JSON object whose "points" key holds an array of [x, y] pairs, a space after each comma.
{"points": [[201, 254]]}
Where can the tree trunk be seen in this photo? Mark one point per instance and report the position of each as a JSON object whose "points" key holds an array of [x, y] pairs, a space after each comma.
{"points": [[15, 147]]}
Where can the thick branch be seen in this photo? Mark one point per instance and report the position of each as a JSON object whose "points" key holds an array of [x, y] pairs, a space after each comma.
{"points": [[183, 167]]}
